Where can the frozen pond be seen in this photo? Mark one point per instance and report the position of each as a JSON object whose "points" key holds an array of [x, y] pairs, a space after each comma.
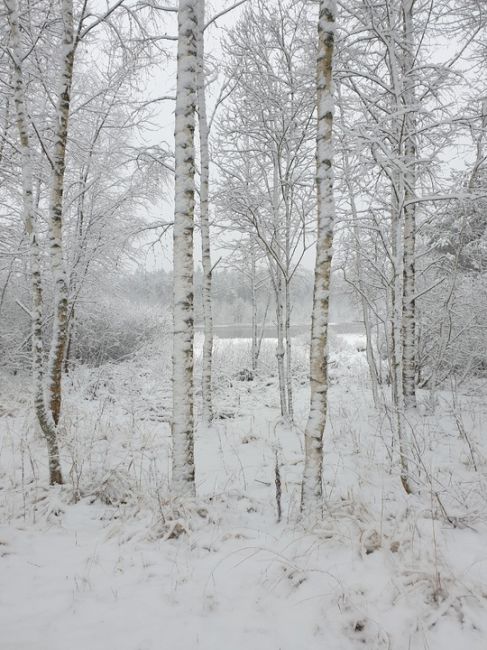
{"points": [[244, 331]]}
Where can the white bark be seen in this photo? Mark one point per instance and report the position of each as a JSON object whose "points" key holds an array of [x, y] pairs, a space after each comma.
{"points": [[289, 373], [311, 497], [409, 264], [60, 322], [404, 225], [205, 222], [276, 269], [397, 341], [183, 420], [287, 298], [253, 291], [280, 351]]}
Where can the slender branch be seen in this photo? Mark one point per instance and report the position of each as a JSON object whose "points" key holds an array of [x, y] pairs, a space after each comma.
{"points": [[223, 12], [100, 19]]}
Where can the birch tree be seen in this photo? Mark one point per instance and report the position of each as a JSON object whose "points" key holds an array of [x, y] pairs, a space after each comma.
{"points": [[408, 324], [312, 489], [44, 415], [265, 150], [203, 130], [59, 331], [186, 97]]}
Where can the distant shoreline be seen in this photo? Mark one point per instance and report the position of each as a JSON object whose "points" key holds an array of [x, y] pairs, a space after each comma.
{"points": [[244, 330]]}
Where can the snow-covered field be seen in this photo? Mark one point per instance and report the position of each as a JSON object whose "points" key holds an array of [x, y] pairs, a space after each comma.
{"points": [[111, 562]]}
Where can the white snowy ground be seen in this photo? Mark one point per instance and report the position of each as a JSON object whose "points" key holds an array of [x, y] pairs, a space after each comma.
{"points": [[109, 562]]}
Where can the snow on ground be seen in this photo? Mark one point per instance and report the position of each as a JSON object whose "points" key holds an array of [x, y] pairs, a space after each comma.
{"points": [[109, 561]]}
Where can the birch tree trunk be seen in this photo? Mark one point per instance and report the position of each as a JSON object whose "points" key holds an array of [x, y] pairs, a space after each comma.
{"points": [[253, 291], [6, 121], [60, 322], [43, 415], [289, 372], [312, 489], [280, 350], [398, 343], [275, 267], [205, 222], [183, 419], [398, 194], [409, 263], [287, 299]]}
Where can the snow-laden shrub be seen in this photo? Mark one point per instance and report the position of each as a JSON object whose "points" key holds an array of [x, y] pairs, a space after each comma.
{"points": [[114, 330], [451, 331]]}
